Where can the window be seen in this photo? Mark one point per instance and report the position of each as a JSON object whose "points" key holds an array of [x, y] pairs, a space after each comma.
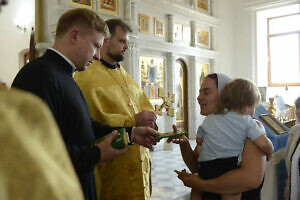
{"points": [[284, 50]]}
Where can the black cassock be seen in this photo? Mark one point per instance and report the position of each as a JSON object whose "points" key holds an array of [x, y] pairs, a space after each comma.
{"points": [[50, 78]]}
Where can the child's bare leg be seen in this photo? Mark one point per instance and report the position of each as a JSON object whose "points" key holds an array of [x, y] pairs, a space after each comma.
{"points": [[196, 195], [231, 197]]}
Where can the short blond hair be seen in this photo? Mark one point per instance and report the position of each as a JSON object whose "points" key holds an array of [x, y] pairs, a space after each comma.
{"points": [[81, 16], [239, 94]]}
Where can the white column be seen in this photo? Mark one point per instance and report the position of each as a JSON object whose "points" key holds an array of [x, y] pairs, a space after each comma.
{"points": [[170, 27], [193, 88], [133, 14], [131, 61], [170, 87], [194, 4], [127, 11], [193, 34], [211, 66], [51, 13]]}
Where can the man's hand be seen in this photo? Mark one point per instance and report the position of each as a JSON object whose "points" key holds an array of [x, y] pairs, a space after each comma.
{"points": [[145, 118], [109, 153], [144, 136], [187, 178]]}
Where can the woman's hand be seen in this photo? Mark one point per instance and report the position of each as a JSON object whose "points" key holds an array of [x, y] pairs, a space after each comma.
{"points": [[188, 179], [177, 139]]}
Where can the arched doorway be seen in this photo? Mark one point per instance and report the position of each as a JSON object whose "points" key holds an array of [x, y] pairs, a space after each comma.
{"points": [[181, 95]]}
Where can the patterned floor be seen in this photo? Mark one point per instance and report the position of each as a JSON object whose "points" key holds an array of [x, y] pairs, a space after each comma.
{"points": [[165, 184]]}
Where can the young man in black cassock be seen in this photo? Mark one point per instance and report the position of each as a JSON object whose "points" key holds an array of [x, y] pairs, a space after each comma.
{"points": [[79, 36]]}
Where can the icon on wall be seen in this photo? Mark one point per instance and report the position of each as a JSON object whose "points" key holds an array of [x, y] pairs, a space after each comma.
{"points": [[203, 38], [159, 27], [109, 6], [178, 32], [144, 23], [263, 93], [179, 93], [152, 75], [204, 70], [83, 3], [203, 5], [186, 34]]}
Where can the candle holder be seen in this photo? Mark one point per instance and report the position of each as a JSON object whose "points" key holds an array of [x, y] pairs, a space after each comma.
{"points": [[167, 103]]}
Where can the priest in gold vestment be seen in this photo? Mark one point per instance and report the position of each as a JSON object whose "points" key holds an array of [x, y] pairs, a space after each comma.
{"points": [[115, 99], [34, 163]]}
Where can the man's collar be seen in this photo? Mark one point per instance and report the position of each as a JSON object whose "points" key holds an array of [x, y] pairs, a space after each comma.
{"points": [[114, 66], [62, 55]]}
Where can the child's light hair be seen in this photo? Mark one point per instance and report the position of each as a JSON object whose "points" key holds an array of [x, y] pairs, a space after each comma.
{"points": [[239, 94]]}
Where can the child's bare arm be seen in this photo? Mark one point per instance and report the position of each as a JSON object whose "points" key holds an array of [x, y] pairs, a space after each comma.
{"points": [[188, 155], [199, 140], [265, 145]]}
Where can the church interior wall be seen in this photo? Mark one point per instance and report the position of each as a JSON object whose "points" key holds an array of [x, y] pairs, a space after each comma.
{"points": [[224, 39], [246, 63], [229, 22], [231, 50], [14, 40], [243, 42], [143, 44], [150, 45]]}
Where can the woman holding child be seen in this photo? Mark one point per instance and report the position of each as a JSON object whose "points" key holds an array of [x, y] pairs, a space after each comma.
{"points": [[235, 179]]}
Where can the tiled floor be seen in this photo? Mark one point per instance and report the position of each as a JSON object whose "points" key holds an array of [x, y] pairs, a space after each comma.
{"points": [[165, 184]]}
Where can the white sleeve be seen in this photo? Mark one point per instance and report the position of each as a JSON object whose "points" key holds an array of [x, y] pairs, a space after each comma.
{"points": [[254, 130], [200, 131]]}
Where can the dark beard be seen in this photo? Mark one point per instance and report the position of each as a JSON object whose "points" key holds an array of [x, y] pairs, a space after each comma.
{"points": [[116, 58]]}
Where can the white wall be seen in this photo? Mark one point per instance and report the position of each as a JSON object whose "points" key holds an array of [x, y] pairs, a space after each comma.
{"points": [[243, 66], [13, 40], [234, 39], [225, 36], [236, 35]]}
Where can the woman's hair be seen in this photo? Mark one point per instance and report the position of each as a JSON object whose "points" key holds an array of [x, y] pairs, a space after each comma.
{"points": [[214, 77], [239, 94], [297, 103], [86, 18], [220, 80]]}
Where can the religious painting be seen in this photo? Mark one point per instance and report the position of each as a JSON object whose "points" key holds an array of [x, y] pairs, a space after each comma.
{"points": [[178, 32], [144, 23], [83, 3], [109, 6], [273, 123], [159, 27], [186, 34], [263, 93], [203, 72], [179, 98], [203, 38], [152, 75], [203, 5]]}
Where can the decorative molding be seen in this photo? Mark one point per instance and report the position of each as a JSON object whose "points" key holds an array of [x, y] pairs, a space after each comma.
{"points": [[160, 46], [178, 9], [265, 4]]}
